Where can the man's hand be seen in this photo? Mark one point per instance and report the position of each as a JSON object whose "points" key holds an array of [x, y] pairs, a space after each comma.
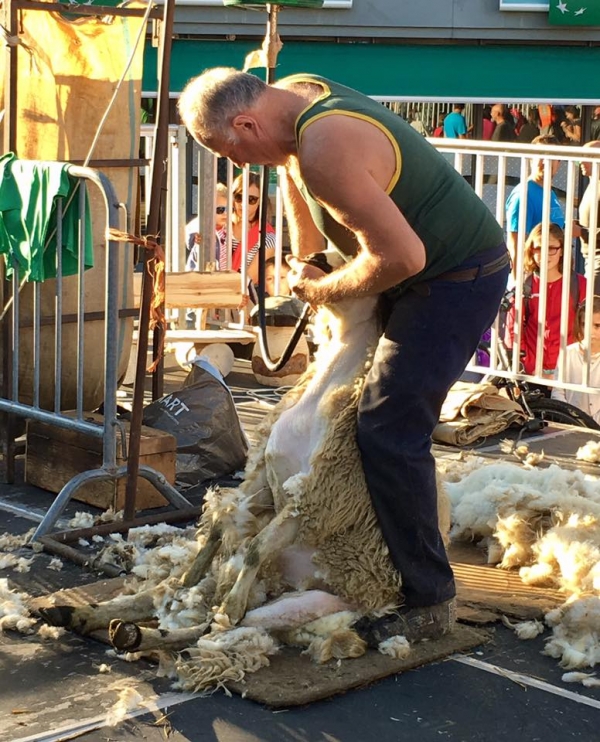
{"points": [[300, 277]]}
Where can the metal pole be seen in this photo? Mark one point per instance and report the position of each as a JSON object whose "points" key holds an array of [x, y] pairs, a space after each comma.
{"points": [[159, 156], [206, 207], [272, 50], [7, 421]]}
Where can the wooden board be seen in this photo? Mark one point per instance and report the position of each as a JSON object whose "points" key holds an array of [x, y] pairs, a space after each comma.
{"points": [[94, 592], [486, 592], [55, 455], [224, 335], [221, 289]]}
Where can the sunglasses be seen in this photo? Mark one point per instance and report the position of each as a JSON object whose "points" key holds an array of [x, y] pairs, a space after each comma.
{"points": [[221, 209], [551, 250], [239, 197]]}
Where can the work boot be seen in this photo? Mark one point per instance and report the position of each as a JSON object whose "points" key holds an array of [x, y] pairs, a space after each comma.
{"points": [[416, 624]]}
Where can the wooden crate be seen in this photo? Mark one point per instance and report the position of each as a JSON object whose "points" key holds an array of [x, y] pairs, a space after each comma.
{"points": [[55, 455]]}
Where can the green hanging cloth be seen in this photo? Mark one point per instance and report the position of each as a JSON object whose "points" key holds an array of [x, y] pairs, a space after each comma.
{"points": [[29, 190]]}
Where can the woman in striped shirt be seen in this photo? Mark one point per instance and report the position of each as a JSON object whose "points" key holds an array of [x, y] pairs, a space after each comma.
{"points": [[253, 196]]}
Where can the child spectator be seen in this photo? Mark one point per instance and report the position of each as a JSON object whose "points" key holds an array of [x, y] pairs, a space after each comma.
{"points": [[284, 289], [575, 361], [531, 301], [439, 129], [192, 230]]}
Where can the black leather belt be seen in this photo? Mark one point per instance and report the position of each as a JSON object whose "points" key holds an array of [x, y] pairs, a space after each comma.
{"points": [[469, 274]]}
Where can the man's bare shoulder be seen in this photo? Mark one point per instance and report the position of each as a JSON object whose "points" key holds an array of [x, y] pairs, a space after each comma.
{"points": [[340, 146], [304, 88]]}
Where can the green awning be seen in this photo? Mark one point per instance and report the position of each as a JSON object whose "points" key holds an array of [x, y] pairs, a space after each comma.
{"points": [[449, 72]]}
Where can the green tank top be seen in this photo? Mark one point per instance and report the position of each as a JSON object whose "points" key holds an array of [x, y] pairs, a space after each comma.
{"points": [[451, 220]]}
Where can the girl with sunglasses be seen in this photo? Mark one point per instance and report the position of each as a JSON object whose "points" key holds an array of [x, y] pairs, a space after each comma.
{"points": [[192, 230], [253, 196], [531, 301]]}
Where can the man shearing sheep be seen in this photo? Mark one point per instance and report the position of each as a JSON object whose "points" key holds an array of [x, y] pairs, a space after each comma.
{"points": [[412, 231]]}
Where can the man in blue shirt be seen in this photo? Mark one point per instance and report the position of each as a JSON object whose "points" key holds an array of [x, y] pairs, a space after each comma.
{"points": [[455, 126], [535, 201]]}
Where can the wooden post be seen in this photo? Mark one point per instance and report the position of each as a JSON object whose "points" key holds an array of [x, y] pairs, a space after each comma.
{"points": [[159, 157]]}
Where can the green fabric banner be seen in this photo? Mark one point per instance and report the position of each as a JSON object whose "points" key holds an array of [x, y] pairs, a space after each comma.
{"points": [[574, 12]]}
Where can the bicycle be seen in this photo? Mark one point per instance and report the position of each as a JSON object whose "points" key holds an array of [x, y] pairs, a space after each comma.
{"points": [[539, 408]]}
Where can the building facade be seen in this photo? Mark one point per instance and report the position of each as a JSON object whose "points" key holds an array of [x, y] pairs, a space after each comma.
{"points": [[474, 50]]}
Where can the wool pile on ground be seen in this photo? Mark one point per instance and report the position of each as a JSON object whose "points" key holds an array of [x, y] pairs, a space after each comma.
{"points": [[546, 524]]}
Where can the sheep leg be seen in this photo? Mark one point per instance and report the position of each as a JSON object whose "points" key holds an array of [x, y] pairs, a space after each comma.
{"points": [[274, 537], [86, 618], [204, 558], [126, 636]]}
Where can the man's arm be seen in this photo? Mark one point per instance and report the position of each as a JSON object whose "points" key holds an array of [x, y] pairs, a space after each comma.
{"points": [[305, 238], [347, 164]]}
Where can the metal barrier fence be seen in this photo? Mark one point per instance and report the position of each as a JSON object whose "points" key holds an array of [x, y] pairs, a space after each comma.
{"points": [[28, 403], [487, 166]]}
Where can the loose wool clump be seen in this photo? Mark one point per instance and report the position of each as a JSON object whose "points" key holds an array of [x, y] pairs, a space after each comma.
{"points": [[525, 629], [396, 647], [224, 656], [588, 680], [129, 699], [14, 613], [589, 452], [9, 545], [81, 520], [575, 639], [50, 632]]}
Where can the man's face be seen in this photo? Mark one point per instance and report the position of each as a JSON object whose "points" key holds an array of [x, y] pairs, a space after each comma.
{"points": [[246, 145]]}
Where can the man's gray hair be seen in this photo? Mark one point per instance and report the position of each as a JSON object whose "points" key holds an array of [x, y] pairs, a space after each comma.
{"points": [[212, 100]]}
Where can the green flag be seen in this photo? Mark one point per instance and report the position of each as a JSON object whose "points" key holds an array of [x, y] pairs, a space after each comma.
{"points": [[574, 12]]}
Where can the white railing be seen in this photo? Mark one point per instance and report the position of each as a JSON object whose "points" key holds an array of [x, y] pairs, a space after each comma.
{"points": [[493, 169], [483, 162]]}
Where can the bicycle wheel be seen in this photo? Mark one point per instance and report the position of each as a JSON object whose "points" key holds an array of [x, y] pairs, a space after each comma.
{"points": [[555, 411]]}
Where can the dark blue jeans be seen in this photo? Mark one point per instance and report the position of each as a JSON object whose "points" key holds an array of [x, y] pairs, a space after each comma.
{"points": [[430, 335]]}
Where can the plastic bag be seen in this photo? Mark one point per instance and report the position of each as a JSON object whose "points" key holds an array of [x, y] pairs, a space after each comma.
{"points": [[203, 419]]}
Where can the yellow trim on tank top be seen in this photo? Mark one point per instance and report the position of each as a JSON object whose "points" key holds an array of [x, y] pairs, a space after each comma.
{"points": [[353, 114], [325, 94]]}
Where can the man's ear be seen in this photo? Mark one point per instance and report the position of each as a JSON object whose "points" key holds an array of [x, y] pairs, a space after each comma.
{"points": [[243, 121]]}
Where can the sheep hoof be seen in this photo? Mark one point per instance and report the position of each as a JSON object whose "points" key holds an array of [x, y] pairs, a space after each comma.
{"points": [[58, 615], [124, 636]]}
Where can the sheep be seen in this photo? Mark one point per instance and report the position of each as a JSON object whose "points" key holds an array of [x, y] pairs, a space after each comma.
{"points": [[301, 521]]}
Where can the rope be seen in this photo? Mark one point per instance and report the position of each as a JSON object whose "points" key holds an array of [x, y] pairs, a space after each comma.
{"points": [[156, 270], [141, 32]]}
